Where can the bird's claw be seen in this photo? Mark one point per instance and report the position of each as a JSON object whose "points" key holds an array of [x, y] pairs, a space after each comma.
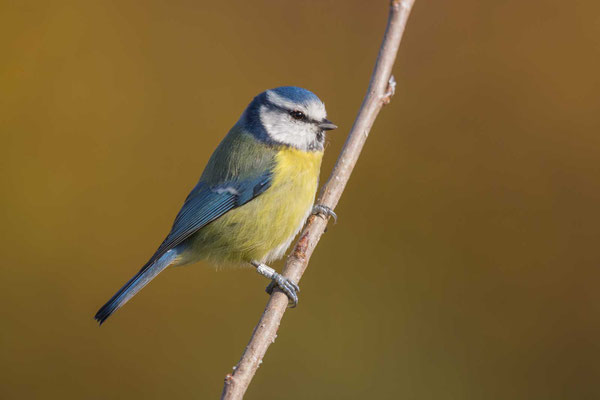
{"points": [[324, 212], [277, 280], [287, 286]]}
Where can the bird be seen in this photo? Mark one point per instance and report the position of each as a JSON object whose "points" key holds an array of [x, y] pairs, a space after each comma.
{"points": [[252, 198]]}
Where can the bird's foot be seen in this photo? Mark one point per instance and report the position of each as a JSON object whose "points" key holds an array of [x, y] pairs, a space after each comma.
{"points": [[277, 280], [324, 212]]}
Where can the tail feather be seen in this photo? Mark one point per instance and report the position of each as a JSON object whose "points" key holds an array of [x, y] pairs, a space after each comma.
{"points": [[134, 285]]}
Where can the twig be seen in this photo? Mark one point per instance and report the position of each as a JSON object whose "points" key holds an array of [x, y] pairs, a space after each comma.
{"points": [[381, 89]]}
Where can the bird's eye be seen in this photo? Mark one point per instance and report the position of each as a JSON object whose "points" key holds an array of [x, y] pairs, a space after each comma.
{"points": [[297, 115]]}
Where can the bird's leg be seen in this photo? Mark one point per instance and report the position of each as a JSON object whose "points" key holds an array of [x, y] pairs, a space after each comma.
{"points": [[324, 212], [277, 280]]}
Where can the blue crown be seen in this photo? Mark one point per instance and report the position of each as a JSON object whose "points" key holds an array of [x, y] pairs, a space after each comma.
{"points": [[296, 94]]}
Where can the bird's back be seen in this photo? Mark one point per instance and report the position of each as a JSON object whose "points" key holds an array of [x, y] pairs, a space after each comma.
{"points": [[239, 156]]}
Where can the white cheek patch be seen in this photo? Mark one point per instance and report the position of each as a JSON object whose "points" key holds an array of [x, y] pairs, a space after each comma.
{"points": [[282, 129]]}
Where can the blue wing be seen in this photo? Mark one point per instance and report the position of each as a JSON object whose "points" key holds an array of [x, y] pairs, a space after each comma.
{"points": [[206, 203], [203, 205]]}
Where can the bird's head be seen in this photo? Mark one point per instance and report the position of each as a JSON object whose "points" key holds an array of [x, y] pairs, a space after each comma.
{"points": [[289, 116]]}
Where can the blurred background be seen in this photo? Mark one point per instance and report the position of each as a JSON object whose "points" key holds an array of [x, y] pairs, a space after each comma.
{"points": [[466, 258]]}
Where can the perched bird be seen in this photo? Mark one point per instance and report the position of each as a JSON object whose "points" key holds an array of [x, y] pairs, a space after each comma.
{"points": [[253, 197]]}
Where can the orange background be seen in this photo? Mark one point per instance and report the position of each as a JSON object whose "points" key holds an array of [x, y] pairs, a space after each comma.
{"points": [[465, 264]]}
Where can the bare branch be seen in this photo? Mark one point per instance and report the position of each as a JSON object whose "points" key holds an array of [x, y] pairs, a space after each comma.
{"points": [[381, 89]]}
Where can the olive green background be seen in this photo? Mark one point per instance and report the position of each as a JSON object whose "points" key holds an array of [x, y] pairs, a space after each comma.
{"points": [[465, 264]]}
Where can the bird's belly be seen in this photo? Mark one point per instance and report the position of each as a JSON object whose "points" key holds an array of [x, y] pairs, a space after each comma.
{"points": [[263, 228]]}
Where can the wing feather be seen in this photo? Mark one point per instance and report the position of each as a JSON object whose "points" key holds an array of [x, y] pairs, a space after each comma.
{"points": [[206, 203]]}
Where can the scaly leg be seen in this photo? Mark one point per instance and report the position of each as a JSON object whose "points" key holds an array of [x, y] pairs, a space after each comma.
{"points": [[287, 286]]}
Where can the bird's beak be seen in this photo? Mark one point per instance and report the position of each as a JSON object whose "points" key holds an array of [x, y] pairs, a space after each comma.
{"points": [[327, 125]]}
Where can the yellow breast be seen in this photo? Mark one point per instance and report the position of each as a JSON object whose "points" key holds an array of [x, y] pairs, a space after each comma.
{"points": [[263, 228], [297, 169]]}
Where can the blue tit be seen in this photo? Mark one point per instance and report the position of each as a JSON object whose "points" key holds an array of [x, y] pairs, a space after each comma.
{"points": [[253, 197]]}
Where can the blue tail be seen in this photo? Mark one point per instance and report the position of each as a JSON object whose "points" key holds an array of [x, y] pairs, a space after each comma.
{"points": [[134, 285]]}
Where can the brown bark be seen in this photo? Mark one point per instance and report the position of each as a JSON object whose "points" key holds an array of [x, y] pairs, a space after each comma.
{"points": [[381, 89]]}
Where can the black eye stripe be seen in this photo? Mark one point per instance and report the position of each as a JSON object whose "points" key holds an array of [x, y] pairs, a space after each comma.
{"points": [[305, 117]]}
